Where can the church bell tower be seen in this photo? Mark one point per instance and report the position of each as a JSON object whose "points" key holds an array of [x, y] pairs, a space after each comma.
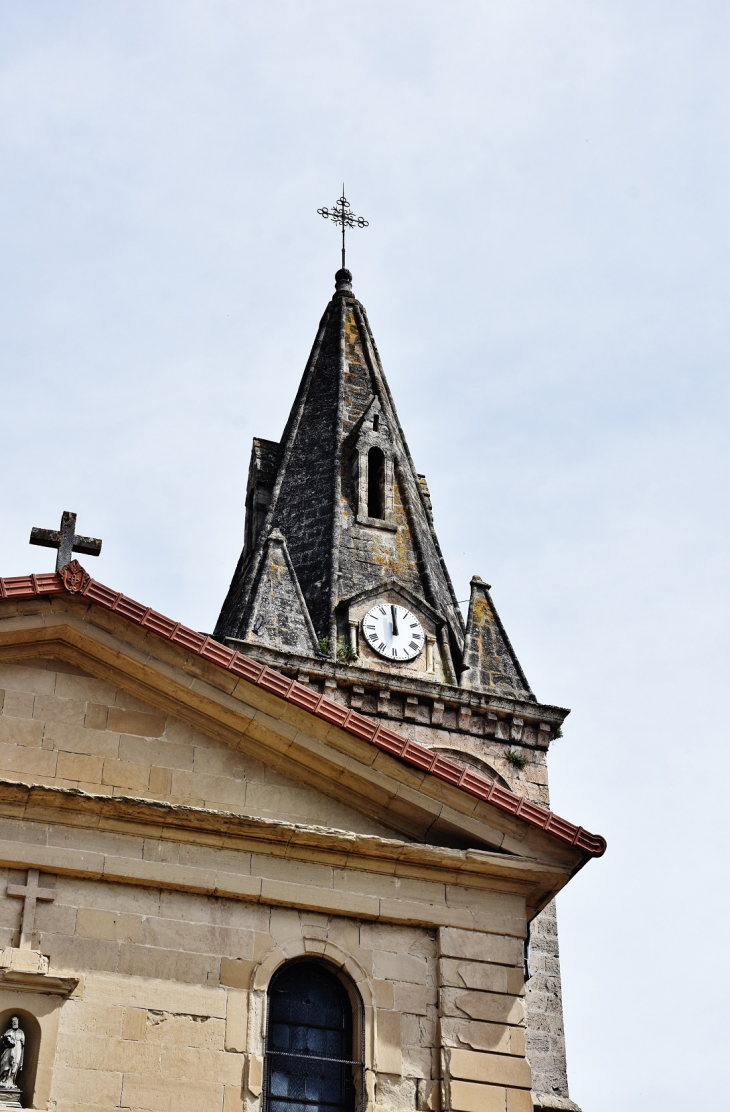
{"points": [[341, 584]]}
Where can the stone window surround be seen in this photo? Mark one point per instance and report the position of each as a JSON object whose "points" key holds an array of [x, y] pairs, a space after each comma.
{"points": [[370, 437], [359, 988]]}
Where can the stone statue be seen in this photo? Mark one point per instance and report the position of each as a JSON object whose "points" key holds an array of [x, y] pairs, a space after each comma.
{"points": [[11, 1058]]}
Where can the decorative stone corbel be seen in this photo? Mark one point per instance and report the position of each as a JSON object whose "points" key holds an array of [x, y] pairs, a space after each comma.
{"points": [[27, 971]]}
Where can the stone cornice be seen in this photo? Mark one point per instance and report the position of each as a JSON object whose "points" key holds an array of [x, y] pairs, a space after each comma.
{"points": [[410, 685], [142, 818], [348, 674]]}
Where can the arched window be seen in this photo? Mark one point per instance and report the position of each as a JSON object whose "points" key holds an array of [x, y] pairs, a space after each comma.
{"points": [[376, 483], [309, 1042]]}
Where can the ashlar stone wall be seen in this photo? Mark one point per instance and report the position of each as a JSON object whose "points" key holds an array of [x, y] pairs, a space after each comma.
{"points": [[482, 1023], [170, 1011]]}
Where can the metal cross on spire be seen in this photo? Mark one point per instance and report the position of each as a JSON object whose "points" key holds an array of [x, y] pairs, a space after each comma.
{"points": [[342, 214]]}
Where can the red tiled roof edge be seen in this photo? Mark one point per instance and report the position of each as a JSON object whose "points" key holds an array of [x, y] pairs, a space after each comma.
{"points": [[28, 586]]}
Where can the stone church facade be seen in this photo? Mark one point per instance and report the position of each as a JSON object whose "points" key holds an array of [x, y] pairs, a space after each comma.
{"points": [[306, 863]]}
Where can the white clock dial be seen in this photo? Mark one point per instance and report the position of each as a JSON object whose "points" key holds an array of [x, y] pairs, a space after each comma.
{"points": [[393, 632]]}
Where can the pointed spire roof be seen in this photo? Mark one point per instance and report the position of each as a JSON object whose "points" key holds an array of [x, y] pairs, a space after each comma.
{"points": [[345, 530], [278, 613], [490, 662]]}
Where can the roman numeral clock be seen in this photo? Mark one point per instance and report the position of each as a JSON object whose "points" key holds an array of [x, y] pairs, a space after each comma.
{"points": [[393, 632]]}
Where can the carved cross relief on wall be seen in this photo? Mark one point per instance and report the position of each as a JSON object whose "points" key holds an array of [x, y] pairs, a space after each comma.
{"points": [[30, 893]]}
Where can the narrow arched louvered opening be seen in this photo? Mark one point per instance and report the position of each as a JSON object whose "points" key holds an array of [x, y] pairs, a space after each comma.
{"points": [[309, 1042], [376, 483]]}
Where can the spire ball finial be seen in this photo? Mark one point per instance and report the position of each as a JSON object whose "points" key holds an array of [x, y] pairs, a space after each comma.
{"points": [[343, 281]]}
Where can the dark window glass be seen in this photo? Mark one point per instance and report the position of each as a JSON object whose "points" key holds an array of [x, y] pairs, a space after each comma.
{"points": [[376, 483], [309, 1048]]}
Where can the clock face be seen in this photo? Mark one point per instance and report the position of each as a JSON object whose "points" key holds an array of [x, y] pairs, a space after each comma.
{"points": [[393, 632]]}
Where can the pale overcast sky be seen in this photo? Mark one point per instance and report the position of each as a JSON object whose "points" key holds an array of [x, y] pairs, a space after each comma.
{"points": [[546, 274]]}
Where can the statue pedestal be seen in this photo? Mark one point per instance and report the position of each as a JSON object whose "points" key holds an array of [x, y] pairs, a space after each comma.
{"points": [[22, 961], [27, 971], [10, 1098]]}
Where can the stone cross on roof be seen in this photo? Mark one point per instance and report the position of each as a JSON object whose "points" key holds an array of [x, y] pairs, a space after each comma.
{"points": [[30, 892], [66, 540]]}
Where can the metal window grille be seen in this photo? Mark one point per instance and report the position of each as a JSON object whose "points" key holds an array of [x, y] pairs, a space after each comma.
{"points": [[309, 1042]]}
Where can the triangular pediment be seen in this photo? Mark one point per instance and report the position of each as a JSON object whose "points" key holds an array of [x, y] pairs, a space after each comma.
{"points": [[94, 736], [392, 586], [260, 714]]}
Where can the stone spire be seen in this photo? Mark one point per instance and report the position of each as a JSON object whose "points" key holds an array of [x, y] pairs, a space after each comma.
{"points": [[337, 516]]}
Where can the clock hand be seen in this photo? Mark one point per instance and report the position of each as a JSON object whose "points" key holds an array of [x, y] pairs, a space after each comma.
{"points": [[394, 616]]}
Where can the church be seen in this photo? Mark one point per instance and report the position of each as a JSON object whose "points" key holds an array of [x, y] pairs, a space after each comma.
{"points": [[305, 862]]}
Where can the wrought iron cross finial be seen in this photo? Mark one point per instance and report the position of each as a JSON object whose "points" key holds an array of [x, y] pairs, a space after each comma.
{"points": [[342, 214], [66, 540]]}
